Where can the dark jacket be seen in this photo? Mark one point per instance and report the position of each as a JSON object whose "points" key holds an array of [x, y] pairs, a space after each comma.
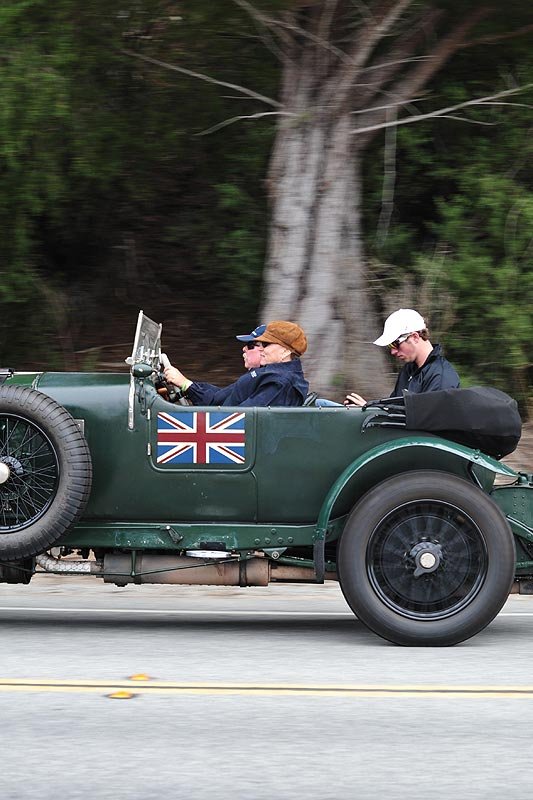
{"points": [[436, 373], [273, 385]]}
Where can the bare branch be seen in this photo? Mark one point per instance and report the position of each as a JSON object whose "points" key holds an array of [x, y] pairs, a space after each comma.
{"points": [[227, 122], [369, 36], [420, 75], [263, 28], [326, 18], [470, 121], [516, 105], [385, 107], [400, 54], [274, 23], [480, 101], [443, 51], [396, 63], [497, 37], [312, 37], [201, 76]]}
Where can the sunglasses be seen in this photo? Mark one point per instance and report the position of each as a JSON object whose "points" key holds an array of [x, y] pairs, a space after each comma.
{"points": [[251, 345], [397, 342]]}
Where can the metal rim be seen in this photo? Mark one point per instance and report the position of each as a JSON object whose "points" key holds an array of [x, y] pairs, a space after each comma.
{"points": [[426, 559], [32, 469]]}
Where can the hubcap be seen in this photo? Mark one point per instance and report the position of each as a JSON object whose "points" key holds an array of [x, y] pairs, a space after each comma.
{"points": [[426, 559]]}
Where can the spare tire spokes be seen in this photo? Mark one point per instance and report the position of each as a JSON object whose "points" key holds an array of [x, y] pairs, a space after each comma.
{"points": [[29, 472]]}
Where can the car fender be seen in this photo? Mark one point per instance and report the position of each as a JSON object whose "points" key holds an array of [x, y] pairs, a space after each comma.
{"points": [[403, 455]]}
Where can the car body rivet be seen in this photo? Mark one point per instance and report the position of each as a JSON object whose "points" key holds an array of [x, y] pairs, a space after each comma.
{"points": [[267, 540]]}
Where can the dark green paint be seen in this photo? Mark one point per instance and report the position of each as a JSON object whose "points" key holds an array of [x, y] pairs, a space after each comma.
{"points": [[180, 536], [304, 471]]}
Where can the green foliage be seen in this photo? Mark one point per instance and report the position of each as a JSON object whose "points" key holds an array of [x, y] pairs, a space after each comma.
{"points": [[487, 227], [70, 117], [102, 164], [107, 178], [461, 228]]}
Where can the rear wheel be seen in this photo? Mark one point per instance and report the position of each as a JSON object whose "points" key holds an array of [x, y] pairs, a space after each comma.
{"points": [[45, 472], [426, 558]]}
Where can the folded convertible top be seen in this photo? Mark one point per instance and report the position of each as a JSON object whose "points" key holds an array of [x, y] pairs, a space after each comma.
{"points": [[480, 417]]}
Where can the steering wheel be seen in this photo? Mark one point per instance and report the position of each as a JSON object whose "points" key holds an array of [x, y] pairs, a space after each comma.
{"points": [[173, 394]]}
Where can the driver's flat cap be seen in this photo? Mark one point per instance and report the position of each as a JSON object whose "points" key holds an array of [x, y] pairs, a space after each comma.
{"points": [[287, 334]]}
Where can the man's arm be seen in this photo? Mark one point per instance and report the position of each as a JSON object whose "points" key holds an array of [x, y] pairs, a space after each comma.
{"points": [[207, 394], [271, 392]]}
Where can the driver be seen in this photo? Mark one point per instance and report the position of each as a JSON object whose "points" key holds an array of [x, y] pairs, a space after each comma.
{"points": [[251, 351], [278, 382]]}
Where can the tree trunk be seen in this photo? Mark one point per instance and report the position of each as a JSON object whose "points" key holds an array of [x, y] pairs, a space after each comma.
{"points": [[316, 272]]}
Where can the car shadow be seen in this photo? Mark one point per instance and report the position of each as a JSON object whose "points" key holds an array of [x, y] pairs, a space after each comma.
{"points": [[330, 630]]}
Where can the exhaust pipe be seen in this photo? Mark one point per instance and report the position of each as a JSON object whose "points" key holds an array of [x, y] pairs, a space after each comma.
{"points": [[60, 567], [121, 569], [182, 569]]}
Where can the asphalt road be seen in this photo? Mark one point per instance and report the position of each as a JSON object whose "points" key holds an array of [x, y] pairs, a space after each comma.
{"points": [[214, 692]]}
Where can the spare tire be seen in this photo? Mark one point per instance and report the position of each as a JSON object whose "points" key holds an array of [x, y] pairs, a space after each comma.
{"points": [[45, 472]]}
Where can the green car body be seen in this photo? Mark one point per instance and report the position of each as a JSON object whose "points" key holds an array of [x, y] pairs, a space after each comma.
{"points": [[290, 502], [305, 469]]}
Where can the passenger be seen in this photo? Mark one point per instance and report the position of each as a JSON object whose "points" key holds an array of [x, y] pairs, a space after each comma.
{"points": [[278, 381], [425, 368]]}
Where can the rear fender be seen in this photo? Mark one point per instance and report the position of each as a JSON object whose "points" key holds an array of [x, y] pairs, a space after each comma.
{"points": [[393, 458], [516, 502]]}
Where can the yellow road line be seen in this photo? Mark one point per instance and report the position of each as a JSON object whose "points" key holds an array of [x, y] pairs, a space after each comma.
{"points": [[245, 689]]}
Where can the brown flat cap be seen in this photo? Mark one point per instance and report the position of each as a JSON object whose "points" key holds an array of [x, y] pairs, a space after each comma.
{"points": [[287, 334]]}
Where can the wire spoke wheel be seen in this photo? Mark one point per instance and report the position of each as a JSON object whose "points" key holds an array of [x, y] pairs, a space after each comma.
{"points": [[426, 558], [30, 476]]}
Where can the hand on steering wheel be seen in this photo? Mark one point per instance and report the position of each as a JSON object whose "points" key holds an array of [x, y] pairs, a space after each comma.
{"points": [[167, 390]]}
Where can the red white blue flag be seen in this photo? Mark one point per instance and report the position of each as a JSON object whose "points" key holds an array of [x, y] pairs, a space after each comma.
{"points": [[201, 437]]}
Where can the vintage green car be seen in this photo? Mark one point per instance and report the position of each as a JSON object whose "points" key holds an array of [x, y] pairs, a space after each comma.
{"points": [[100, 474]]}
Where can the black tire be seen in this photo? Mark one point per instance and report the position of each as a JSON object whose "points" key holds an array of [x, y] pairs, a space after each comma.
{"points": [[45, 472], [426, 558]]}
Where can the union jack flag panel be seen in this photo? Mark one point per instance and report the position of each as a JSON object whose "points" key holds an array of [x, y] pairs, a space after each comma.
{"points": [[201, 437]]}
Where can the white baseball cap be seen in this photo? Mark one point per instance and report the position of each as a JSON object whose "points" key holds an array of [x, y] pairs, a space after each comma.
{"points": [[405, 320]]}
